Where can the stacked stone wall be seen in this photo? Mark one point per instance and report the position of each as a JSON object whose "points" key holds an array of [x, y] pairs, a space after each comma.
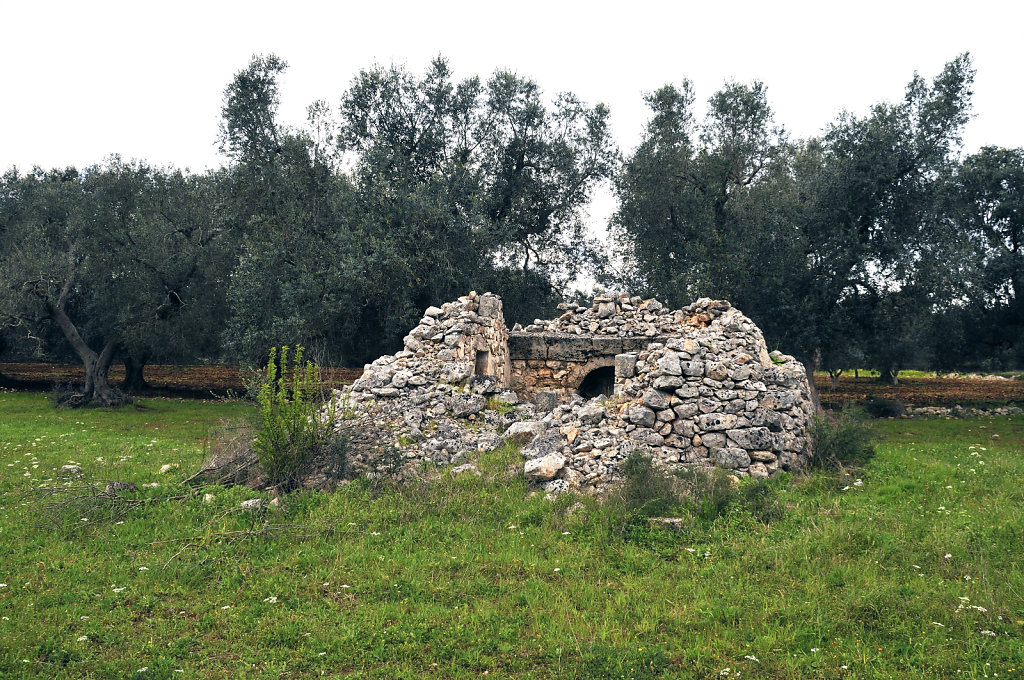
{"points": [[694, 386]]}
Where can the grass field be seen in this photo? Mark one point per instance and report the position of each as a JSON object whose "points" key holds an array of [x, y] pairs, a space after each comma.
{"points": [[911, 568]]}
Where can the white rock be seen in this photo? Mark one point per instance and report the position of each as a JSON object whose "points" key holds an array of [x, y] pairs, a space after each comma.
{"points": [[544, 468]]}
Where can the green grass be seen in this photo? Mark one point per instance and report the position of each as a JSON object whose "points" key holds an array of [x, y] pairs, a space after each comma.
{"points": [[472, 575]]}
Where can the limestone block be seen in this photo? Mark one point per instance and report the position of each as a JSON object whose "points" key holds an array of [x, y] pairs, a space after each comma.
{"points": [[670, 364], [642, 416], [490, 306], [751, 439], [731, 457], [692, 368], [713, 440], [687, 392], [758, 470], [607, 346], [668, 383], [712, 422], [524, 432], [716, 370], [591, 414], [763, 456], [625, 365], [570, 348], [544, 468], [464, 405], [545, 400], [655, 399]]}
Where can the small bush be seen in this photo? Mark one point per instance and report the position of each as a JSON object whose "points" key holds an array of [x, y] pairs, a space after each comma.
{"points": [[703, 493], [842, 441], [646, 491], [61, 392], [292, 425], [709, 491], [879, 407]]}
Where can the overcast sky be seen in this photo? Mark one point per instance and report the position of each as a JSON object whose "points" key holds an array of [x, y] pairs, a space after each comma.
{"points": [[83, 80]]}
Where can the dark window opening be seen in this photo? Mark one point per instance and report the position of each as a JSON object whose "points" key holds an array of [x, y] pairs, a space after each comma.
{"points": [[597, 383], [483, 363]]}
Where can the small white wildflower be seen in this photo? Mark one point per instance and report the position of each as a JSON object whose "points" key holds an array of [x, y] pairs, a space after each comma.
{"points": [[751, 657], [83, 618], [557, 569], [143, 669], [815, 649], [691, 550], [272, 599], [990, 633], [322, 654], [143, 568], [375, 533], [3, 585], [227, 606], [6, 619], [858, 483], [82, 638], [344, 585], [326, 583], [512, 526], [948, 555], [565, 533], [845, 668], [724, 672]]}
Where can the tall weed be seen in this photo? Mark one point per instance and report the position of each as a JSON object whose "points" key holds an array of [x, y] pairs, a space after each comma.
{"points": [[295, 422]]}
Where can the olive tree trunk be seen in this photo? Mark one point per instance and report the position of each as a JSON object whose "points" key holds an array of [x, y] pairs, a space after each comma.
{"points": [[134, 378], [97, 388]]}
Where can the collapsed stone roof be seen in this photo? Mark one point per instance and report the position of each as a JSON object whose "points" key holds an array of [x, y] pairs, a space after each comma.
{"points": [[695, 386]]}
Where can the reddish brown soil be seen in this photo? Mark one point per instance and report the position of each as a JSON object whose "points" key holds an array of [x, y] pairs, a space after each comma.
{"points": [[200, 381], [923, 391], [195, 381]]}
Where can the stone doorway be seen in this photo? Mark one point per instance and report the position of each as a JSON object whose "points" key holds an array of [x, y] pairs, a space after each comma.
{"points": [[483, 363], [599, 382]]}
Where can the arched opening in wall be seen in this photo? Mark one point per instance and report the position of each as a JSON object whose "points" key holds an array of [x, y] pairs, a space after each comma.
{"points": [[599, 382]]}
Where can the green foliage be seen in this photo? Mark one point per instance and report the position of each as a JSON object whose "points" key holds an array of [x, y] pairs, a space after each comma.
{"points": [[842, 441], [646, 491], [705, 494], [291, 428], [501, 407], [386, 582]]}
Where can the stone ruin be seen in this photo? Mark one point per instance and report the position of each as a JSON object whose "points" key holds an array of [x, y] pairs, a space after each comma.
{"points": [[689, 387]]}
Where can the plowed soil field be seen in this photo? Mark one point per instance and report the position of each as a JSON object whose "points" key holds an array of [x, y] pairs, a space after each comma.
{"points": [[205, 381], [924, 391], [191, 381]]}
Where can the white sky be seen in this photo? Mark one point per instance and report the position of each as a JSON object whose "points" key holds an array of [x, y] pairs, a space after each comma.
{"points": [[83, 80]]}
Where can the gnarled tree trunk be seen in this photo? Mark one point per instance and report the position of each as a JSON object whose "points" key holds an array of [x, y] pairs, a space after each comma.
{"points": [[97, 388], [134, 379], [890, 376], [810, 365]]}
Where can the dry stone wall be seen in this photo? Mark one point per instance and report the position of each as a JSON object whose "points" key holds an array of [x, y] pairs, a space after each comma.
{"points": [[695, 386]]}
